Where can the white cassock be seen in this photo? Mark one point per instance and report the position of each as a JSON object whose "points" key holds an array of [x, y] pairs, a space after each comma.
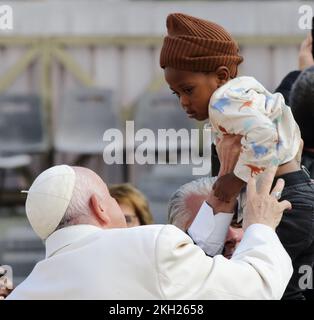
{"points": [[155, 262]]}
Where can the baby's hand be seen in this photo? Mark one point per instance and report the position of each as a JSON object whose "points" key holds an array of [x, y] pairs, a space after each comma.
{"points": [[228, 187], [221, 206]]}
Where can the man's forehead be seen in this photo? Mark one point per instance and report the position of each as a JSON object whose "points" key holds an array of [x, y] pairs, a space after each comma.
{"points": [[194, 201]]}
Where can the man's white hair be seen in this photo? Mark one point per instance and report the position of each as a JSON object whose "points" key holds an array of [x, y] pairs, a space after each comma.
{"points": [[78, 210], [178, 213]]}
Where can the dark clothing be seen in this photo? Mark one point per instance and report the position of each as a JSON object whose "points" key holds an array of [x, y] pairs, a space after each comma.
{"points": [[303, 117], [308, 162], [214, 161], [296, 229], [286, 84]]}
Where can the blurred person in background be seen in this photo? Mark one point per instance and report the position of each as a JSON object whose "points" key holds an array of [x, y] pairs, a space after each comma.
{"points": [[133, 204], [302, 105], [298, 89], [305, 60]]}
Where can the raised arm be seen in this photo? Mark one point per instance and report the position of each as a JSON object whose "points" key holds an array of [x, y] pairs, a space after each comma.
{"points": [[259, 269]]}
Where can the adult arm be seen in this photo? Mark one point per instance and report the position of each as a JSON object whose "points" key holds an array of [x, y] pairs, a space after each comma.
{"points": [[209, 230], [260, 268]]}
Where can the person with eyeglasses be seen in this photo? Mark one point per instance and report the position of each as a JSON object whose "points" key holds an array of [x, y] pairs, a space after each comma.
{"points": [[233, 239], [212, 224], [133, 204]]}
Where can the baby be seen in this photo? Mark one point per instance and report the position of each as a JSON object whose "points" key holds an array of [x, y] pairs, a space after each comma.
{"points": [[200, 61]]}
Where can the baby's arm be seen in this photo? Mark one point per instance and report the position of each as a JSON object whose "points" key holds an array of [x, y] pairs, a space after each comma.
{"points": [[241, 116], [227, 187], [259, 135], [228, 150]]}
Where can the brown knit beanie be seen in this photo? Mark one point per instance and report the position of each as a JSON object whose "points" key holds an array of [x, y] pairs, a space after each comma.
{"points": [[198, 45]]}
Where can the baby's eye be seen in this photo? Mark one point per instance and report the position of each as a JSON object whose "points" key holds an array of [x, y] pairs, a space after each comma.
{"points": [[173, 92], [188, 90]]}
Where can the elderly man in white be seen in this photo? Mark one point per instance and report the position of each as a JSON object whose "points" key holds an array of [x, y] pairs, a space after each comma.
{"points": [[208, 221], [194, 209], [90, 254]]}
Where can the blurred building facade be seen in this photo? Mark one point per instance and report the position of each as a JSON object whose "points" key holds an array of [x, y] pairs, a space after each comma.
{"points": [[56, 47]]}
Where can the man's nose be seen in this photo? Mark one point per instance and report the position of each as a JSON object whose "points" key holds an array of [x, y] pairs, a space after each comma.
{"points": [[232, 235]]}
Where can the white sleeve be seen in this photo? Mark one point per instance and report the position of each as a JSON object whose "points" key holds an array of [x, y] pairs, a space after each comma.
{"points": [[260, 268], [209, 231]]}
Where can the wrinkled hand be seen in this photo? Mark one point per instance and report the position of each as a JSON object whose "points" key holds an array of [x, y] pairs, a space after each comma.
{"points": [[221, 206], [228, 150], [305, 54], [228, 187], [262, 207]]}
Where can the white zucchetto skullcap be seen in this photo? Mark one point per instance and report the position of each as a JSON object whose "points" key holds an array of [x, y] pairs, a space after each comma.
{"points": [[48, 199]]}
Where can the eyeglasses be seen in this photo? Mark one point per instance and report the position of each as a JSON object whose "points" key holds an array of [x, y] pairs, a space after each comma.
{"points": [[234, 222], [130, 218]]}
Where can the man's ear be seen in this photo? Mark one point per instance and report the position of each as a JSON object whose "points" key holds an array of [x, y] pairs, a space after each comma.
{"points": [[99, 210], [223, 75]]}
